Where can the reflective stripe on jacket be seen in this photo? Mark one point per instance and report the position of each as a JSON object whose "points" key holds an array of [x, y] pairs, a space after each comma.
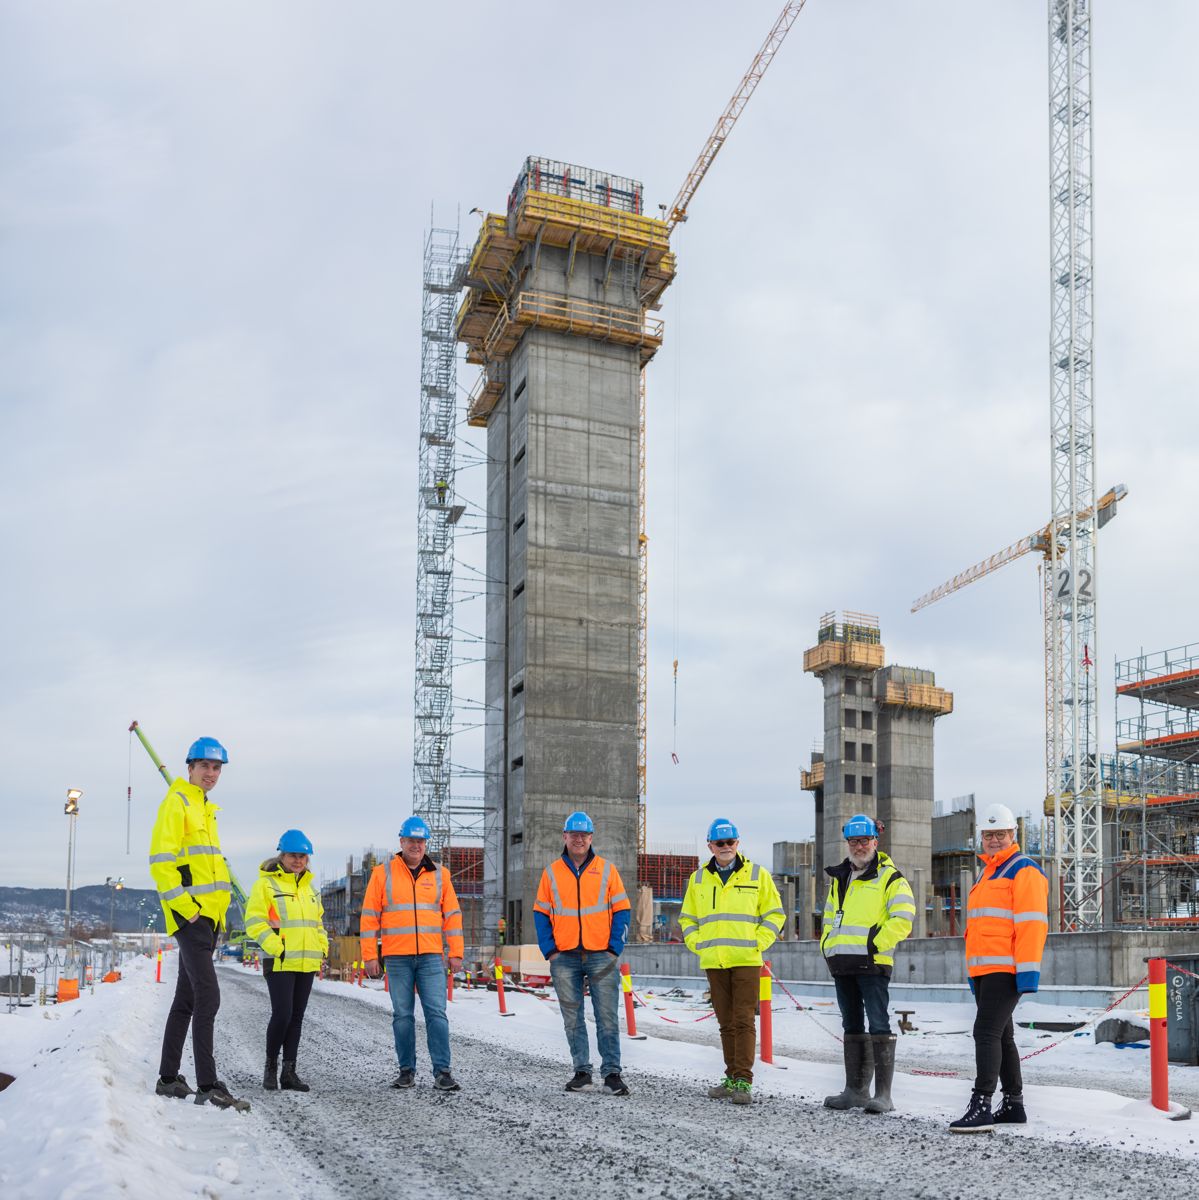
{"points": [[580, 906], [730, 924], [186, 863], [1007, 919], [411, 913], [286, 913], [876, 913]]}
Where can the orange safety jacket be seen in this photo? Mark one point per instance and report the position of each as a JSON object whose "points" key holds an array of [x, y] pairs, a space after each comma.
{"points": [[1007, 919], [411, 913], [580, 907]]}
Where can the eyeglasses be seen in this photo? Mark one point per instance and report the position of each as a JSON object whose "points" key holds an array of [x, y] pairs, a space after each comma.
{"points": [[995, 835], [859, 842], [725, 842]]}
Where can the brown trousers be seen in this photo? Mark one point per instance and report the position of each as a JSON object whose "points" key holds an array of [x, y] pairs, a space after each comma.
{"points": [[735, 999]]}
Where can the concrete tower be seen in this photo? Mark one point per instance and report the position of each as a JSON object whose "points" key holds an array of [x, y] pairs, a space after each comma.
{"points": [[878, 744], [556, 316]]}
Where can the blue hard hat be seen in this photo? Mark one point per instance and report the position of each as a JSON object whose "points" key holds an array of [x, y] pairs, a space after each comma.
{"points": [[721, 829], [578, 822], [414, 827], [207, 750], [294, 841], [860, 825]]}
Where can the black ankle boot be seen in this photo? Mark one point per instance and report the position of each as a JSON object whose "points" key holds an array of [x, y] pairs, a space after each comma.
{"points": [[289, 1081], [978, 1117], [270, 1075], [1011, 1111]]}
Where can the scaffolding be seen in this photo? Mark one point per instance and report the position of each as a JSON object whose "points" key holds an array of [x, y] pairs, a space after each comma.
{"points": [[437, 514], [1157, 775], [853, 640]]}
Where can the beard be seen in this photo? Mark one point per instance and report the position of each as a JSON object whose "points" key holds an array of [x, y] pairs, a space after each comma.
{"points": [[860, 859]]}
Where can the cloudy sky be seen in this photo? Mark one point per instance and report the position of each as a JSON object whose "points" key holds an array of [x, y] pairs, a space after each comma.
{"points": [[212, 220]]}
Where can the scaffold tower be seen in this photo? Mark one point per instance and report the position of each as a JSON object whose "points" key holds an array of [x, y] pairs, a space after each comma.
{"points": [[1157, 744], [437, 514], [1072, 750]]}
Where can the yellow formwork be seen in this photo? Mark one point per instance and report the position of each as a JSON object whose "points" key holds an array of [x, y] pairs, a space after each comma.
{"points": [[809, 781], [868, 655], [476, 315], [593, 228], [583, 318], [923, 696], [484, 396], [493, 254]]}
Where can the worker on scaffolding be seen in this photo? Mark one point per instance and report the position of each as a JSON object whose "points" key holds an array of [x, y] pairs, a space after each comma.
{"points": [[730, 915], [1007, 923], [411, 908], [442, 488], [192, 878], [582, 917], [869, 911]]}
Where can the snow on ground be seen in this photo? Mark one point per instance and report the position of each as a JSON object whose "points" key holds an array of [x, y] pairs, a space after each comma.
{"points": [[81, 1120]]}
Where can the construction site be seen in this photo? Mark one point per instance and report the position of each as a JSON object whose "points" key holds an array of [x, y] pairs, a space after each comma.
{"points": [[556, 303]]}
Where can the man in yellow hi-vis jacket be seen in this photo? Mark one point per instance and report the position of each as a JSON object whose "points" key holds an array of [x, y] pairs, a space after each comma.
{"points": [[731, 914], [869, 911], [193, 887]]}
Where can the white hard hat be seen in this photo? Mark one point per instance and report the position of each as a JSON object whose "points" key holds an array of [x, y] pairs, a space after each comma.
{"points": [[995, 816]]}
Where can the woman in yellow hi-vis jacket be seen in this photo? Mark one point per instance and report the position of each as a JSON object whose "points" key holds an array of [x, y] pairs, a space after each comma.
{"points": [[285, 916]]}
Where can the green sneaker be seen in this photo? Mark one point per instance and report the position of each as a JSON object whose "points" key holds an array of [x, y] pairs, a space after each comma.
{"points": [[743, 1092], [723, 1090]]}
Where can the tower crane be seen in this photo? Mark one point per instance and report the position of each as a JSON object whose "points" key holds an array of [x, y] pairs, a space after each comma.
{"points": [[1072, 776], [675, 214]]}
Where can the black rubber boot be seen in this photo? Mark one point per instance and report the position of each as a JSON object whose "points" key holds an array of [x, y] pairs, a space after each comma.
{"points": [[270, 1075], [977, 1118], [859, 1066], [289, 1081], [1011, 1111], [884, 1071]]}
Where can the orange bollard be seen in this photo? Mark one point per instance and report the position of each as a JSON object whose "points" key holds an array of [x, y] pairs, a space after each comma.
{"points": [[1159, 1069], [630, 1019], [158, 973], [499, 987], [766, 1022]]}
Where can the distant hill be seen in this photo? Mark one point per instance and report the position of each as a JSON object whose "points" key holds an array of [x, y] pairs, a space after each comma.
{"points": [[40, 910]]}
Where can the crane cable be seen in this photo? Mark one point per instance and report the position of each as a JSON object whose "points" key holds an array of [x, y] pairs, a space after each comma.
{"points": [[678, 388]]}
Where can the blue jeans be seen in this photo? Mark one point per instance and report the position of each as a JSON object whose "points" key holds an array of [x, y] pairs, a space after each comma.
{"points": [[408, 974], [858, 992], [602, 972]]}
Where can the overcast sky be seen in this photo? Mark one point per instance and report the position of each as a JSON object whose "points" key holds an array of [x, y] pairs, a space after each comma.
{"points": [[212, 221]]}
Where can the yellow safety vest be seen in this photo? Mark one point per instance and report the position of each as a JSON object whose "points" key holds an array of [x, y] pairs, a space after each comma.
{"points": [[865, 918], [284, 913], [186, 863], [730, 924]]}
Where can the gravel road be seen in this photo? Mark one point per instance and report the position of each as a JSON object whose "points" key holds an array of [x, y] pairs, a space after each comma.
{"points": [[512, 1129]]}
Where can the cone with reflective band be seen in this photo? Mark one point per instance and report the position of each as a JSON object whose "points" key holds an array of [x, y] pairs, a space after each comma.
{"points": [[766, 1023], [1159, 1070]]}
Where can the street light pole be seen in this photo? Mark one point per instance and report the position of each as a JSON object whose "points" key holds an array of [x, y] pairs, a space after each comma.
{"points": [[71, 808], [114, 886]]}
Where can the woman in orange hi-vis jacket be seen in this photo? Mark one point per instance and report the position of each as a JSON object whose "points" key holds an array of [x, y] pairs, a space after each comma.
{"points": [[410, 908], [1007, 922]]}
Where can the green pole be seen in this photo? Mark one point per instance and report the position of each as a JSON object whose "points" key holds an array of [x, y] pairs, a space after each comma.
{"points": [[141, 737]]}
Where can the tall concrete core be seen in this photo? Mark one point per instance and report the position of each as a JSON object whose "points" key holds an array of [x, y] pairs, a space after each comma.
{"points": [[556, 316], [878, 744]]}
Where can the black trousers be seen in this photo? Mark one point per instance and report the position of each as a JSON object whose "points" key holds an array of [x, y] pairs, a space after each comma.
{"points": [[995, 1053], [289, 998], [197, 998]]}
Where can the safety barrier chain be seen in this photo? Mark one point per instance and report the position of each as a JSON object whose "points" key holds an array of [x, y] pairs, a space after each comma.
{"points": [[671, 1020], [1176, 967], [1074, 1032]]}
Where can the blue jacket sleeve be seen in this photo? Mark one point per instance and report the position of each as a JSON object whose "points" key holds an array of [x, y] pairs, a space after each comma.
{"points": [[545, 934], [620, 930]]}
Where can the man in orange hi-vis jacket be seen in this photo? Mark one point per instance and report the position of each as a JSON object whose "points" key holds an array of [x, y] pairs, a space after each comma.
{"points": [[582, 917], [410, 907], [1007, 922]]}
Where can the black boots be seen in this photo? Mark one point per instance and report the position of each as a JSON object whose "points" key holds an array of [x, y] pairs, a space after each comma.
{"points": [[859, 1065], [1011, 1111], [289, 1081], [978, 1117], [270, 1075], [884, 1071]]}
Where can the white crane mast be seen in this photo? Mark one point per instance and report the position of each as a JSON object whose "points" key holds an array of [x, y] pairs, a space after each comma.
{"points": [[1072, 729]]}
